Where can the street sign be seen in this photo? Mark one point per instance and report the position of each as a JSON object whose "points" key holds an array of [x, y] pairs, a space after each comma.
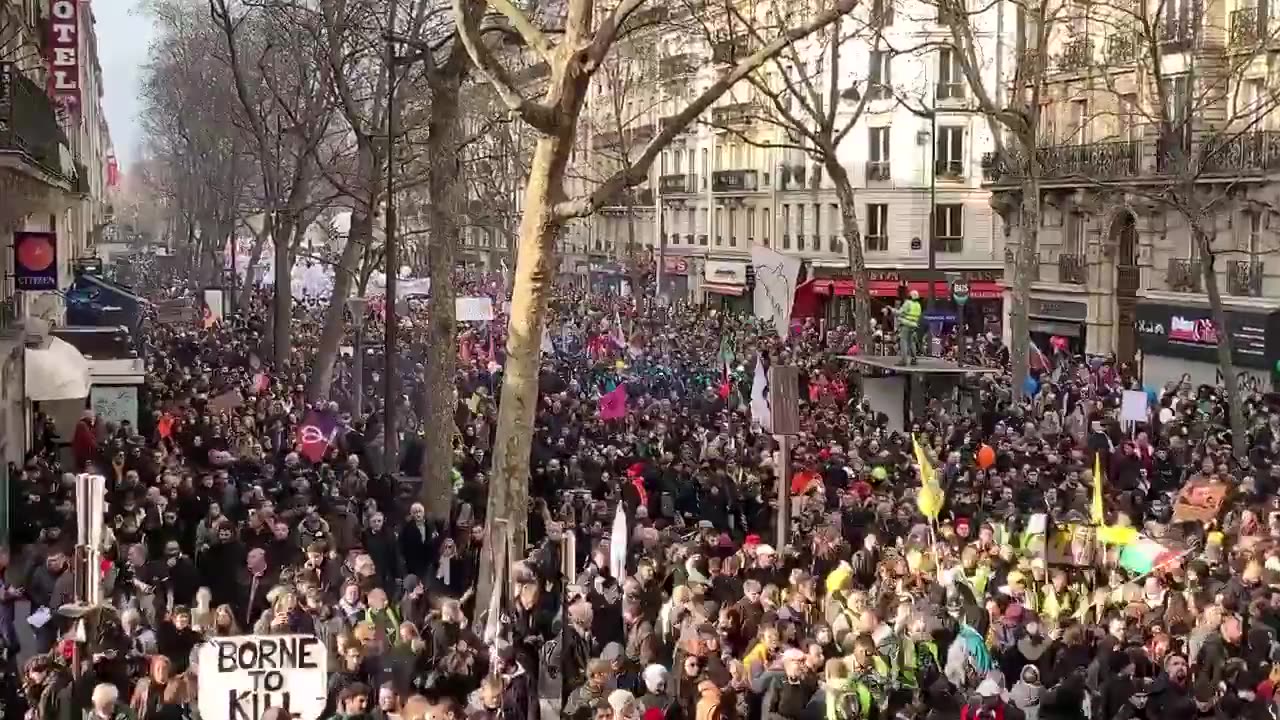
{"points": [[960, 291]]}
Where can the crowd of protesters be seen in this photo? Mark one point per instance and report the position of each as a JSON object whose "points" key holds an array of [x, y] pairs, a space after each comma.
{"points": [[218, 526]]}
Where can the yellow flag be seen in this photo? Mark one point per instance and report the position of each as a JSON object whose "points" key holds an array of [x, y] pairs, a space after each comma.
{"points": [[1095, 508], [930, 498]]}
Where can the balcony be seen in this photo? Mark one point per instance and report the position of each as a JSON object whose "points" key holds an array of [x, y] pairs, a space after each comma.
{"points": [[951, 90], [878, 171], [1248, 26], [1076, 55], [735, 181], [728, 52], [1071, 269], [29, 122], [1184, 274], [1122, 48], [734, 114], [1257, 151], [677, 65], [948, 169], [677, 184], [1098, 161], [1244, 278]]}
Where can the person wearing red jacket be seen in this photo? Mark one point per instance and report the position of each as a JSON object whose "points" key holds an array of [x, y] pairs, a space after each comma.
{"points": [[84, 443]]}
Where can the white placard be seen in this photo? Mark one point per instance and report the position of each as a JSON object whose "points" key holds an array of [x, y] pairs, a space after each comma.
{"points": [[115, 404], [214, 301], [474, 309], [1134, 406], [241, 676]]}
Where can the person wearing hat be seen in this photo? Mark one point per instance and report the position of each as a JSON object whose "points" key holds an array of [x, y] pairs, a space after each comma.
{"points": [[787, 695], [595, 689], [988, 703]]}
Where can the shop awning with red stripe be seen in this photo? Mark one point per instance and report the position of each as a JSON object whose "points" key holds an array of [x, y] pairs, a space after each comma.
{"points": [[978, 289], [724, 289]]}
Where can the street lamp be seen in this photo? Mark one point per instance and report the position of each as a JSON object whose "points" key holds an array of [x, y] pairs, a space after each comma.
{"points": [[357, 306]]}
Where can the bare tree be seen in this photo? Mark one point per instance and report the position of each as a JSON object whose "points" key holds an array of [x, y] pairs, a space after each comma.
{"points": [[805, 95], [552, 112], [1189, 139], [1009, 88]]}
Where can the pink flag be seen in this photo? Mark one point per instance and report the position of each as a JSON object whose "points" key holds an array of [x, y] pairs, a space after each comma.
{"points": [[262, 382], [613, 405]]}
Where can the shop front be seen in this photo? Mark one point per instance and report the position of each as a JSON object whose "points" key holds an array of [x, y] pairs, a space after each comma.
{"points": [[1066, 319], [724, 283], [1182, 340], [675, 278], [982, 311]]}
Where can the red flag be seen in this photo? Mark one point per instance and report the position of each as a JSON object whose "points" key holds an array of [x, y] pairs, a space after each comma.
{"points": [[613, 405]]}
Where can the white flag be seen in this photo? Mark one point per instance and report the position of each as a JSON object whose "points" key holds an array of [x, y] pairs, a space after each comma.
{"points": [[760, 410], [618, 546], [776, 276]]}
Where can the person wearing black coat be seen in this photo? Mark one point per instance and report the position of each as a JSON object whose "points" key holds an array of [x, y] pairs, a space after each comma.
{"points": [[418, 542], [219, 564]]}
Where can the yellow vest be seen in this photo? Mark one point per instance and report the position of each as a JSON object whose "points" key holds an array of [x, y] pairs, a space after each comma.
{"points": [[909, 315]]}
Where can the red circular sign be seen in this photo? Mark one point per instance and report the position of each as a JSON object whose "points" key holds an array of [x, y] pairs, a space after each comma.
{"points": [[35, 253]]}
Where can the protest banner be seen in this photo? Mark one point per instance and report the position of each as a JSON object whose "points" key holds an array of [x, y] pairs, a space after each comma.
{"points": [[242, 676]]}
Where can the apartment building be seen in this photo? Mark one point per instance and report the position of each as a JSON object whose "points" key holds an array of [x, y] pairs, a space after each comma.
{"points": [[55, 167], [1118, 269], [913, 154]]}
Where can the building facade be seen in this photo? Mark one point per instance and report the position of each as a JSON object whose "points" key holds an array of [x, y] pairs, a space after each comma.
{"points": [[728, 183], [1143, 187], [55, 167]]}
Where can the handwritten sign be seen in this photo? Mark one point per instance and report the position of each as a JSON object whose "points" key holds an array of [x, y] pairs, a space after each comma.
{"points": [[242, 676], [1200, 501], [115, 404]]}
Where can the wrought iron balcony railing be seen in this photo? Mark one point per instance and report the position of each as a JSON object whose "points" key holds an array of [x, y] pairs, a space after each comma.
{"points": [[1248, 26], [29, 120], [949, 169], [1122, 48], [1244, 278], [677, 184], [877, 170], [734, 181], [1258, 150], [1071, 269], [953, 90], [1076, 55], [1100, 161], [1184, 274]]}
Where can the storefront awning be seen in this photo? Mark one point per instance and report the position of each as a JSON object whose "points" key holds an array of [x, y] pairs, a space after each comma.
{"points": [[724, 289], [56, 372], [978, 289]]}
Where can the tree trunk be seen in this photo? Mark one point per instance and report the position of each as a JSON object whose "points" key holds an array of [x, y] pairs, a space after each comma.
{"points": [[284, 293], [447, 189], [534, 274], [1235, 403], [1025, 273], [255, 254], [853, 242], [326, 353]]}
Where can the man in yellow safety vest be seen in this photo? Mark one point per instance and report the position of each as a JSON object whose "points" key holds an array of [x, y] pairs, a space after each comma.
{"points": [[908, 324]]}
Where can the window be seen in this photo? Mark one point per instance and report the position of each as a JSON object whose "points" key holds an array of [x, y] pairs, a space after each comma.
{"points": [[1249, 235], [690, 223], [877, 227], [950, 153], [765, 222], [665, 155], [676, 157], [719, 157], [881, 13], [719, 226], [879, 149], [817, 227], [880, 82], [837, 242], [800, 227], [1177, 94], [1079, 122], [949, 228], [1074, 234], [733, 227], [950, 75], [1130, 116]]}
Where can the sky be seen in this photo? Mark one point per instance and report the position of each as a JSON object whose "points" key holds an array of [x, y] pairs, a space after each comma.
{"points": [[124, 37]]}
